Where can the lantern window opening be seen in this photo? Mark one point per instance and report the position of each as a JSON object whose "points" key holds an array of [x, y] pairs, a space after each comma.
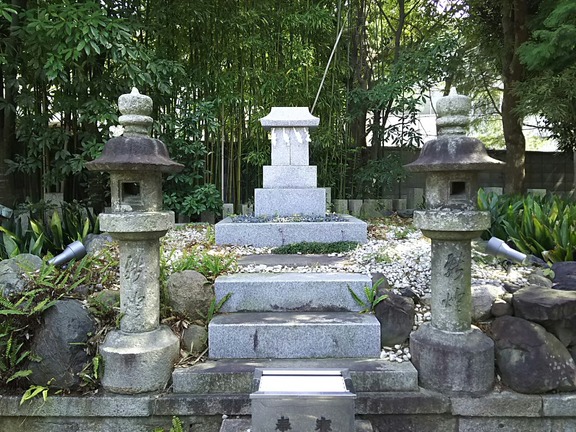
{"points": [[458, 190], [131, 191]]}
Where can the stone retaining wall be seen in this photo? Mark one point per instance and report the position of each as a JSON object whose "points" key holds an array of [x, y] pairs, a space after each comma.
{"points": [[421, 411]]}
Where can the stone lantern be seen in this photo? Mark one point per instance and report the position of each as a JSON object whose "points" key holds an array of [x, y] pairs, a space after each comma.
{"points": [[138, 357], [452, 356]]}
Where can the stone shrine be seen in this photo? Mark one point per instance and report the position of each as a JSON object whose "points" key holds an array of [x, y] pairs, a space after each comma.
{"points": [[290, 182], [290, 189]]}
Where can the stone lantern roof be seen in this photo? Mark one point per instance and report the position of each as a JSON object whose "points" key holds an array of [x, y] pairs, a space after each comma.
{"points": [[453, 150], [135, 150]]}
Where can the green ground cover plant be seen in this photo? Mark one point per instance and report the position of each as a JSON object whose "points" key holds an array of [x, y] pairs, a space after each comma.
{"points": [[316, 248]]}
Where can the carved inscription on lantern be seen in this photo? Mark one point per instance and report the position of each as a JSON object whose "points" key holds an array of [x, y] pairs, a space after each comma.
{"points": [[454, 268], [133, 272]]}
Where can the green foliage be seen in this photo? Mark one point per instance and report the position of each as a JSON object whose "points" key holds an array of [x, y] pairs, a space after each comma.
{"points": [[47, 235], [34, 391], [214, 308], [177, 426], [21, 314], [380, 176], [186, 192], [372, 298], [315, 248], [541, 226], [210, 265]]}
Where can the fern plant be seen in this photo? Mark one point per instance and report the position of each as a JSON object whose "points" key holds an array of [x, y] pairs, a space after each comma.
{"points": [[371, 299]]}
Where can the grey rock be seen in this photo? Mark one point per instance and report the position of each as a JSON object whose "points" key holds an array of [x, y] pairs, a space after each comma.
{"points": [[539, 280], [95, 243], [511, 287], [381, 282], [541, 304], [194, 339], [60, 343], [190, 294], [108, 298], [483, 296], [396, 317], [530, 359], [500, 308], [564, 275], [12, 272]]}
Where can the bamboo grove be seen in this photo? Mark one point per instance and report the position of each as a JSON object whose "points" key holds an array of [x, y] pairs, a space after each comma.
{"points": [[213, 68]]}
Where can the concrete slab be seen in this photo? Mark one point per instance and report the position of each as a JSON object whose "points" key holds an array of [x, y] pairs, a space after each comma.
{"points": [[294, 335], [232, 376], [304, 292], [270, 234]]}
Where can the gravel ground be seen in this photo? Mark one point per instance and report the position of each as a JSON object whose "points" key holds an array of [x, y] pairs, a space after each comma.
{"points": [[394, 248]]}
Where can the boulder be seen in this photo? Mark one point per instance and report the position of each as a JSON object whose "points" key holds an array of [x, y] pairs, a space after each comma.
{"points": [[483, 296], [539, 280], [554, 309], [564, 275], [396, 316], [535, 303], [530, 359], [501, 307], [195, 339], [190, 294], [95, 243], [12, 270], [61, 344]]}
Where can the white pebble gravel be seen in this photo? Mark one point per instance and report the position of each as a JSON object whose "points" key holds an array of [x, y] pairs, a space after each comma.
{"points": [[402, 254]]}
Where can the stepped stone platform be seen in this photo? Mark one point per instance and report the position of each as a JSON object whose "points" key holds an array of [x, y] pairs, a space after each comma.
{"points": [[294, 335], [235, 376], [273, 234]]}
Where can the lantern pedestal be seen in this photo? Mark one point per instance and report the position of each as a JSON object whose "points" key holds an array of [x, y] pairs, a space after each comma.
{"points": [[138, 362], [452, 356], [453, 363]]}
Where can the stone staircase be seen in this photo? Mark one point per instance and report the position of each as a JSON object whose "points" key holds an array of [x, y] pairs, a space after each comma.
{"points": [[291, 320], [292, 315]]}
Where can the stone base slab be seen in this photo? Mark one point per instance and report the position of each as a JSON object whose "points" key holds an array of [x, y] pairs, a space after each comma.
{"points": [[304, 292], [422, 411], [290, 202], [232, 376], [453, 363], [289, 177], [294, 335], [138, 362], [272, 234], [243, 425]]}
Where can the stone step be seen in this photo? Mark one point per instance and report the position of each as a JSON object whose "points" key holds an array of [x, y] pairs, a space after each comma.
{"points": [[303, 292], [270, 234], [243, 425], [294, 335], [235, 376]]}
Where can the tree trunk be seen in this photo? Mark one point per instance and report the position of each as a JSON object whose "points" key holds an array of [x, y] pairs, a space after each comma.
{"points": [[360, 75], [515, 32], [9, 145]]}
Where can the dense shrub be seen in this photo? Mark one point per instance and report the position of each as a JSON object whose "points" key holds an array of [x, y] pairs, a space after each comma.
{"points": [[543, 226], [47, 230]]}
